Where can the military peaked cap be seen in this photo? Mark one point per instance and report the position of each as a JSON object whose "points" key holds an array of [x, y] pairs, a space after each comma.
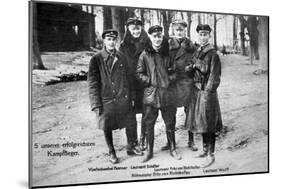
{"points": [[155, 28], [181, 22], [204, 27], [134, 21], [109, 33]]}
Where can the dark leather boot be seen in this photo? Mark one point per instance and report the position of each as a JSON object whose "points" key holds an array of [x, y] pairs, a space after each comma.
{"points": [[210, 159], [149, 149], [204, 152], [132, 140], [142, 143], [172, 141], [167, 146], [109, 141], [191, 145]]}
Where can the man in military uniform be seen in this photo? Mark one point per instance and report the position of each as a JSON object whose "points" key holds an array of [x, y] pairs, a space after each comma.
{"points": [[134, 42], [181, 51], [154, 71], [112, 95], [204, 111]]}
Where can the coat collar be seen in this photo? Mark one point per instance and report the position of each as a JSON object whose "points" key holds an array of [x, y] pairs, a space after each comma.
{"points": [[186, 44], [206, 48], [164, 50], [105, 54], [129, 40], [133, 47], [203, 50]]}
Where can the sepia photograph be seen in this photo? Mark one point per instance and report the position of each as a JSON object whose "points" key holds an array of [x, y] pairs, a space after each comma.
{"points": [[124, 94]]}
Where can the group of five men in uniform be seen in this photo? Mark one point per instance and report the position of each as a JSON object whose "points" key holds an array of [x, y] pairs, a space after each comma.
{"points": [[150, 73]]}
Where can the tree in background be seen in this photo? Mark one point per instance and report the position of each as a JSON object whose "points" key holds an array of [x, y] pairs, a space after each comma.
{"points": [[118, 20], [167, 19], [36, 59], [263, 44], [189, 21], [216, 19], [199, 18], [242, 34], [107, 18], [252, 27], [235, 39]]}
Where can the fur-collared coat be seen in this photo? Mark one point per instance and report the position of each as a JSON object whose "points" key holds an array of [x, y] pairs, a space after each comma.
{"points": [[181, 54], [204, 111], [132, 49]]}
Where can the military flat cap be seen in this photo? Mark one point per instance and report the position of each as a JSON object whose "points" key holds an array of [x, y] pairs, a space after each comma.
{"points": [[180, 22], [155, 28], [109, 33], [203, 27], [134, 21]]}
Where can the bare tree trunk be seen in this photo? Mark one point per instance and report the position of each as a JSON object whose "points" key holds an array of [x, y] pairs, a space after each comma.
{"points": [[199, 18], [130, 13], [142, 15], [215, 31], [234, 32], [182, 16], [189, 21], [157, 16], [92, 32], [242, 34], [263, 43], [166, 22], [107, 18], [92, 10], [253, 34], [118, 20], [150, 13], [36, 59]]}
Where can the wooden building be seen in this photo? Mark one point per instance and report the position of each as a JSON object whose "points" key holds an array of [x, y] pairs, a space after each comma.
{"points": [[62, 27]]}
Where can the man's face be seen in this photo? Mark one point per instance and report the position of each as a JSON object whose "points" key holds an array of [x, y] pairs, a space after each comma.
{"points": [[179, 31], [204, 37], [110, 42], [156, 38], [135, 30]]}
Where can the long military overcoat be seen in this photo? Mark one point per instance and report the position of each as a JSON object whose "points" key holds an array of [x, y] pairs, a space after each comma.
{"points": [[111, 90], [181, 54], [204, 111]]}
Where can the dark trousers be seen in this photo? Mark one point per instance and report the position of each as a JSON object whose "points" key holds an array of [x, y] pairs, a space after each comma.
{"points": [[149, 118], [209, 140], [131, 133]]}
